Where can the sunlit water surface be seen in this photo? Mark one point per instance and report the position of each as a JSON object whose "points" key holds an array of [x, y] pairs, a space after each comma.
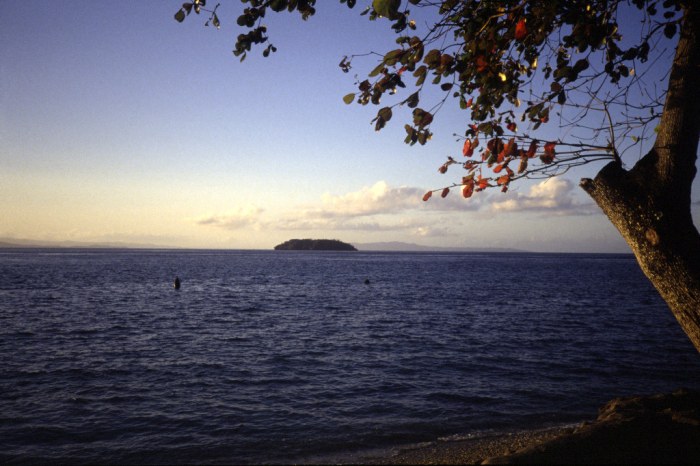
{"points": [[290, 356]]}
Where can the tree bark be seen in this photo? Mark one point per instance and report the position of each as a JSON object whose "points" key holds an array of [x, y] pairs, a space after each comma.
{"points": [[650, 204]]}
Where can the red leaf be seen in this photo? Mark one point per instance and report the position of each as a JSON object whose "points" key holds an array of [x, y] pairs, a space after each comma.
{"points": [[520, 30], [468, 189], [523, 165], [470, 165], [498, 168], [427, 195], [443, 169], [507, 150], [505, 179], [512, 147], [532, 149], [468, 150], [495, 145], [549, 148], [512, 127], [481, 64], [547, 158], [445, 192]]}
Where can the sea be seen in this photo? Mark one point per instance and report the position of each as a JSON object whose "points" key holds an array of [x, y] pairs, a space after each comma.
{"points": [[311, 357]]}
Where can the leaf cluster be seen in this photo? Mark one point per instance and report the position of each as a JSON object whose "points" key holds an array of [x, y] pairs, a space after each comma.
{"points": [[198, 6], [505, 62]]}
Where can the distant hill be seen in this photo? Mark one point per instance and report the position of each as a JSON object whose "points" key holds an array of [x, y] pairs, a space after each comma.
{"points": [[411, 247], [314, 245], [29, 243]]}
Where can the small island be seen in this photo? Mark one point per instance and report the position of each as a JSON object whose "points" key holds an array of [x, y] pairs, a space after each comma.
{"points": [[314, 245]]}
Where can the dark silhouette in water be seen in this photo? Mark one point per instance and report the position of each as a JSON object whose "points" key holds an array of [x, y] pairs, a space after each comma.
{"points": [[366, 281], [176, 284]]}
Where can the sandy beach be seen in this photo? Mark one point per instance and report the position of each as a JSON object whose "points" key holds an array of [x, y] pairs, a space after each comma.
{"points": [[472, 451], [657, 429]]}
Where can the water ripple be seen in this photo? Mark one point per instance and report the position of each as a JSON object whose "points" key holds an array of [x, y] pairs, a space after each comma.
{"points": [[265, 357]]}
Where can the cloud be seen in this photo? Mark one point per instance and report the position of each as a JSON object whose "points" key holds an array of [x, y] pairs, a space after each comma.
{"points": [[375, 208], [240, 218], [552, 196], [382, 199], [374, 200], [417, 226]]}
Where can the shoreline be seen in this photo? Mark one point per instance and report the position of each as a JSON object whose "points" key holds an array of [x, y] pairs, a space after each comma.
{"points": [[468, 450], [655, 429]]}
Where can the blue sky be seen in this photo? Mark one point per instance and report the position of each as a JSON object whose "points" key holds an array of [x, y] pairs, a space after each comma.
{"points": [[119, 124]]}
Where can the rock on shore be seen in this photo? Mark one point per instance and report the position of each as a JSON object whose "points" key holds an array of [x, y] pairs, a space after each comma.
{"points": [[657, 429]]}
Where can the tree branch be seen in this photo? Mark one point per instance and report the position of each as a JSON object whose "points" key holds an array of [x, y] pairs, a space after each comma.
{"points": [[677, 142]]}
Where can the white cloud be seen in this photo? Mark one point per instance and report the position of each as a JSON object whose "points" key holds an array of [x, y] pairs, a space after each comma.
{"points": [[552, 196], [239, 218], [373, 200], [375, 208], [417, 226], [382, 199]]}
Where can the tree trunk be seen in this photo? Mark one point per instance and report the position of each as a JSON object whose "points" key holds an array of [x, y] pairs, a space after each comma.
{"points": [[650, 204]]}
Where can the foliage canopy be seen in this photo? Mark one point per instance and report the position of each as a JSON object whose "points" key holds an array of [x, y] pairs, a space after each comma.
{"points": [[509, 63]]}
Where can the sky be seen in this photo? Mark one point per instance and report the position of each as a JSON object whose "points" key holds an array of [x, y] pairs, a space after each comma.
{"points": [[118, 123]]}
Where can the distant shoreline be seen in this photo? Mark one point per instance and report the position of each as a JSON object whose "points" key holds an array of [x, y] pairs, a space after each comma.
{"points": [[9, 243], [428, 250]]}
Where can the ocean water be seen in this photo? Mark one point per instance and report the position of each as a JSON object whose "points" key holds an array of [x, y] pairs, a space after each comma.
{"points": [[266, 356]]}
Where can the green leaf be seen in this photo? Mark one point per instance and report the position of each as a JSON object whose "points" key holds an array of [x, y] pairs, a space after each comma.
{"points": [[385, 113], [421, 118], [349, 98], [412, 100], [377, 70], [670, 30], [411, 135], [420, 73], [581, 65], [432, 59], [393, 57], [180, 15], [387, 8], [380, 123], [278, 5]]}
